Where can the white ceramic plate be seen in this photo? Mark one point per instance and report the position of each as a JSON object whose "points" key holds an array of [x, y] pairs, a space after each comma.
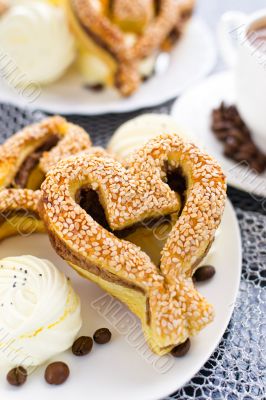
{"points": [[125, 368], [192, 111], [193, 57]]}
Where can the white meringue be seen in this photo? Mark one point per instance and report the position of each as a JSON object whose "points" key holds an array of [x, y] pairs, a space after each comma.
{"points": [[36, 39], [39, 311], [134, 133]]}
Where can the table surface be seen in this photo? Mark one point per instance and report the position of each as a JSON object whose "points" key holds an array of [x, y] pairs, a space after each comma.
{"points": [[228, 374]]}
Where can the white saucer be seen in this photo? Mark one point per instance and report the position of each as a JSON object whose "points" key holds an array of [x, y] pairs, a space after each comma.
{"points": [[193, 57], [192, 111], [125, 368]]}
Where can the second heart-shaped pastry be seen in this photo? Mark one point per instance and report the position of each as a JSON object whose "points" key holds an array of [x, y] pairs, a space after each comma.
{"points": [[25, 158], [119, 40]]}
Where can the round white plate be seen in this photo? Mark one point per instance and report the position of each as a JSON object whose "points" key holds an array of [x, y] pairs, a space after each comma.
{"points": [[193, 110], [193, 57], [125, 368]]}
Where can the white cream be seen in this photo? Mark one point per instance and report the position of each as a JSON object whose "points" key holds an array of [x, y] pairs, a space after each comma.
{"points": [[36, 39], [39, 311], [136, 132]]}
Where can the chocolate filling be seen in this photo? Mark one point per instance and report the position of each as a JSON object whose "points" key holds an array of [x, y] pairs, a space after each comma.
{"points": [[157, 7], [97, 87], [177, 182], [32, 161], [69, 256], [111, 7]]}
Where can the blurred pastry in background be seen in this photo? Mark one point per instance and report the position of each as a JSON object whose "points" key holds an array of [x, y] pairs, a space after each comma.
{"points": [[36, 37], [119, 41], [113, 43], [3, 7], [136, 132]]}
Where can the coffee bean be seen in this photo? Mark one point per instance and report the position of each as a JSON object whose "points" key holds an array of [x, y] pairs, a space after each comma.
{"points": [[17, 376], [237, 135], [249, 149], [56, 373], [82, 346], [221, 135], [221, 125], [181, 349], [98, 87], [241, 156], [229, 151], [231, 142], [258, 164], [204, 273], [102, 336]]}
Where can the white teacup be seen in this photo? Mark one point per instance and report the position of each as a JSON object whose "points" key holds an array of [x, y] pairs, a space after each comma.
{"points": [[240, 50]]}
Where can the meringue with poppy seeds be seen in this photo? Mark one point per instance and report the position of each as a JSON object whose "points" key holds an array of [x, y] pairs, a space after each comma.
{"points": [[39, 311]]}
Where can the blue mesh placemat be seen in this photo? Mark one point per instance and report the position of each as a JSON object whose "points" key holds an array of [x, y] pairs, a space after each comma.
{"points": [[237, 368]]}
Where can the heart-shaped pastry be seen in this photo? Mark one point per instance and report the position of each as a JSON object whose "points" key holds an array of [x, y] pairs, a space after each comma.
{"points": [[162, 296], [117, 35], [25, 158]]}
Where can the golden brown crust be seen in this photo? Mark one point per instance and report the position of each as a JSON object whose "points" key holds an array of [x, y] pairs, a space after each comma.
{"points": [[158, 30], [15, 150], [129, 195], [74, 140], [13, 153], [19, 213], [186, 7], [101, 27], [132, 15], [19, 199], [107, 34], [125, 85], [3, 7]]}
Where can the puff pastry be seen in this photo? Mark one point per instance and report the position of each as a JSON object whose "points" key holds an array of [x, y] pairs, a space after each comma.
{"points": [[91, 240], [25, 158], [116, 36], [3, 7]]}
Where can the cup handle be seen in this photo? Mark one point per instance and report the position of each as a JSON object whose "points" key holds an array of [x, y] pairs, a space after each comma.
{"points": [[231, 28]]}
